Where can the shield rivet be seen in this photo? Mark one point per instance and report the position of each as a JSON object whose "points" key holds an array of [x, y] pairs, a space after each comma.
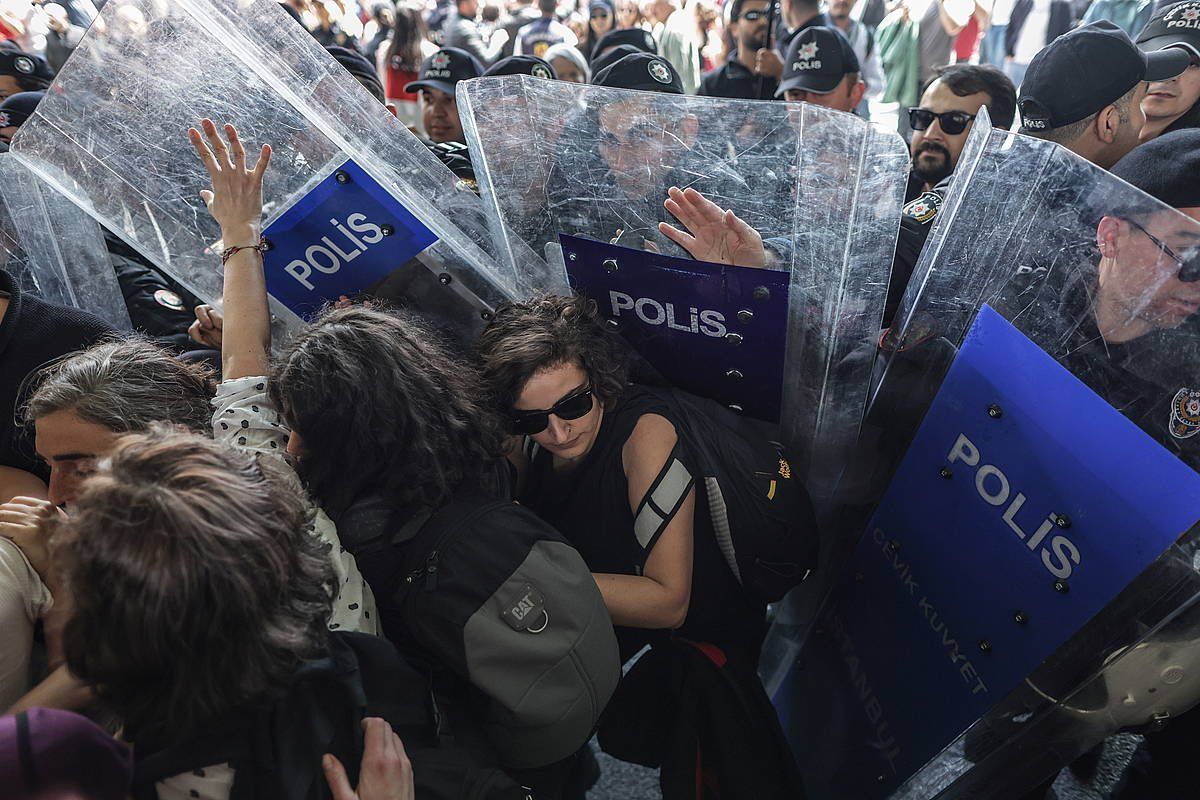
{"points": [[744, 316], [444, 279], [610, 264], [734, 338]]}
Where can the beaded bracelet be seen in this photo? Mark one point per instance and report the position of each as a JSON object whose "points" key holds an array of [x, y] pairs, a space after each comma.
{"points": [[230, 252]]}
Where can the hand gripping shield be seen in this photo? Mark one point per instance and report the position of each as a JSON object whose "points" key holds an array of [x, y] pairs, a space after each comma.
{"points": [[1025, 583], [351, 198], [593, 165], [53, 249]]}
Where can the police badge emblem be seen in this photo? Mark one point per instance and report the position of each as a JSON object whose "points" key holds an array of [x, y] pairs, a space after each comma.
{"points": [[808, 51], [440, 60], [5, 120], [168, 299], [1185, 413], [925, 207], [659, 71], [539, 71], [23, 65]]}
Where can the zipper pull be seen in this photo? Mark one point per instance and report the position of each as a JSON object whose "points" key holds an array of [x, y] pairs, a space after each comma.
{"points": [[431, 571]]}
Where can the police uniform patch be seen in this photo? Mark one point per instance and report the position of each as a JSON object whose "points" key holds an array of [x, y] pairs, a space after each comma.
{"points": [[24, 65], [168, 299], [5, 121], [924, 208], [1183, 15], [1185, 414], [539, 71], [659, 71]]}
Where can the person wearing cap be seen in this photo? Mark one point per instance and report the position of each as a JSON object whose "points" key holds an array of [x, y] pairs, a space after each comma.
{"points": [[521, 65], [641, 72], [361, 68], [794, 17], [1085, 89], [568, 63], [822, 69], [539, 36], [15, 110], [611, 56], [23, 72], [600, 21], [749, 26], [637, 38], [439, 75], [1173, 104]]}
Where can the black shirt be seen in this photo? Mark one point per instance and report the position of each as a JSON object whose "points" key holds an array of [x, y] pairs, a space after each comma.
{"points": [[32, 333], [736, 81]]}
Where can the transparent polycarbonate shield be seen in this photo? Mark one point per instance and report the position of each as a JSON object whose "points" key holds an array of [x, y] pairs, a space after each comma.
{"points": [[1024, 578], [54, 250], [351, 198], [820, 188]]}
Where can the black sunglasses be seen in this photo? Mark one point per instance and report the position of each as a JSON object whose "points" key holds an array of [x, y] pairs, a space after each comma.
{"points": [[573, 406], [1189, 265], [951, 122]]}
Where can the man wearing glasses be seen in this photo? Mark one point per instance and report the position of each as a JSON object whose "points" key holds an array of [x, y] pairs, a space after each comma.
{"points": [[749, 25]]}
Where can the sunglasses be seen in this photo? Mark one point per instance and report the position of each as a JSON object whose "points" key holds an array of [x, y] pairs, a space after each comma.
{"points": [[754, 16], [1189, 265], [573, 406], [951, 122], [599, 15]]}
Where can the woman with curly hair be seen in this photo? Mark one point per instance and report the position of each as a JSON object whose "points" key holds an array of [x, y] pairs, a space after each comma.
{"points": [[605, 465]]}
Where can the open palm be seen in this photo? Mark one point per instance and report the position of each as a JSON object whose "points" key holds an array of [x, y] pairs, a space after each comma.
{"points": [[712, 233]]}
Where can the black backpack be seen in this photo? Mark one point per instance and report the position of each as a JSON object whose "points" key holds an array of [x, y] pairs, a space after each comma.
{"points": [[275, 746], [487, 591], [761, 513]]}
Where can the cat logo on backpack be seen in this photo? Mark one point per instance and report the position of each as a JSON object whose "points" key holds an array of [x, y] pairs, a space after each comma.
{"points": [[527, 612]]}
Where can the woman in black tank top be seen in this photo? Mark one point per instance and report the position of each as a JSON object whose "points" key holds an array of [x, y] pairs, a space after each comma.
{"points": [[602, 462]]}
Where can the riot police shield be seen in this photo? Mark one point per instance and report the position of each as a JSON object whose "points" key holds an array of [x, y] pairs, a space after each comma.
{"points": [[767, 329], [1023, 584], [54, 250], [352, 197]]}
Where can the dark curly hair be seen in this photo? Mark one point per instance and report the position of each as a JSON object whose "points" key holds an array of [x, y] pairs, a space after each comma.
{"points": [[545, 332], [125, 386], [197, 586], [381, 407]]}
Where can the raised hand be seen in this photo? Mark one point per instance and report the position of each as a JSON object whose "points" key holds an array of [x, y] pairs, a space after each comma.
{"points": [[206, 330], [712, 234], [235, 200], [385, 773]]}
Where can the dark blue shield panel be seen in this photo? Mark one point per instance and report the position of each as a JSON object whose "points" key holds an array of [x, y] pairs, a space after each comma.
{"points": [[342, 236], [1024, 505], [710, 329]]}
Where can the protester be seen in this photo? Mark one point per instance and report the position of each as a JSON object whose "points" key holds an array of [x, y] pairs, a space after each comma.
{"points": [[428, 475], [439, 107], [539, 36], [568, 63], [821, 68], [1085, 90], [599, 22], [749, 23], [1173, 104], [400, 64]]}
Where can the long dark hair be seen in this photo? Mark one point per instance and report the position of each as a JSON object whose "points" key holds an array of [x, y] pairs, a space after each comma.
{"points": [[404, 51], [197, 586], [381, 407]]}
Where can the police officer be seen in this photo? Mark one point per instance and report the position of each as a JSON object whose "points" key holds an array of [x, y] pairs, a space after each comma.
{"points": [[637, 38], [14, 111], [611, 56], [1173, 104], [749, 22], [23, 72], [822, 69], [438, 77], [1084, 91]]}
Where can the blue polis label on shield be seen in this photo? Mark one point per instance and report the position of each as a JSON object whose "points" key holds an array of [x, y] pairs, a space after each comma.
{"points": [[1019, 479], [710, 329], [347, 233]]}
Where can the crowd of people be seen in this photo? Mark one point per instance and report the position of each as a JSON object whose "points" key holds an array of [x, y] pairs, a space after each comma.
{"points": [[372, 562]]}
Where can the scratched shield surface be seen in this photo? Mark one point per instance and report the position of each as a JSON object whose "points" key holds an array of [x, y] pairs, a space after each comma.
{"points": [[1041, 594], [111, 136], [821, 188], [1007, 527]]}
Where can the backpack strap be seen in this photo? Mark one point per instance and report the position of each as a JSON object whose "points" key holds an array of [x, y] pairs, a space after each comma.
{"points": [[662, 500]]}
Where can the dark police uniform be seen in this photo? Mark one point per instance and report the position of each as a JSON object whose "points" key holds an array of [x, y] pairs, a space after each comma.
{"points": [[735, 80]]}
